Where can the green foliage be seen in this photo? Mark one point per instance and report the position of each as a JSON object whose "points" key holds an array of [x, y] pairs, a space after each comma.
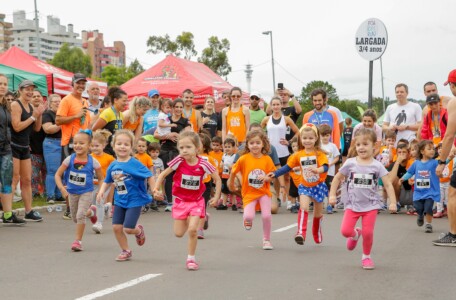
{"points": [[73, 60], [183, 44], [215, 56], [116, 76], [352, 107], [316, 84]]}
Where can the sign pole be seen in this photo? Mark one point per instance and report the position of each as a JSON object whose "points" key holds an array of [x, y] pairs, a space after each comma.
{"points": [[371, 71]]}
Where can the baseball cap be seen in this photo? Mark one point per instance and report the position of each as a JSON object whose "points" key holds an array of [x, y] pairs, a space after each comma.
{"points": [[78, 77], [255, 94], [451, 77], [153, 93], [432, 98], [26, 83]]}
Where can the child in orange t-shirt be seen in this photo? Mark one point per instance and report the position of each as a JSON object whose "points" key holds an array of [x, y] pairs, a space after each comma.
{"points": [[204, 153], [254, 165], [314, 166], [142, 155], [99, 142], [217, 152]]}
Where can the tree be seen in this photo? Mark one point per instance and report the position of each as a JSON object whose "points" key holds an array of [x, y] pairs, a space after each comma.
{"points": [[215, 56], [318, 84], [119, 75], [135, 68], [183, 43], [73, 60]]}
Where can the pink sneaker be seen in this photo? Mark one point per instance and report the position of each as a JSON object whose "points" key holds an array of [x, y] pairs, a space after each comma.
{"points": [[200, 234], [141, 237], [351, 242], [368, 264], [192, 265], [76, 246], [93, 218], [247, 225], [124, 255], [267, 245], [438, 214]]}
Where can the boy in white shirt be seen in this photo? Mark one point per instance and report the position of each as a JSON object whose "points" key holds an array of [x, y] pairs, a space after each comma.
{"points": [[333, 157]]}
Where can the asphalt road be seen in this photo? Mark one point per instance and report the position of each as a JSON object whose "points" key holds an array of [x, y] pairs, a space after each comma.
{"points": [[37, 263]]}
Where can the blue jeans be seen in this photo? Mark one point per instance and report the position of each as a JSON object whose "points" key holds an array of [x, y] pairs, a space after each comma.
{"points": [[52, 156]]}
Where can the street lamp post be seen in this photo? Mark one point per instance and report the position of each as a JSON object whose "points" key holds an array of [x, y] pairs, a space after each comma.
{"points": [[272, 60]]}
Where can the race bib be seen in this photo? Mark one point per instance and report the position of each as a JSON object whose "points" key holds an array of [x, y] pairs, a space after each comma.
{"points": [[288, 130], [423, 183], [363, 181], [306, 163], [226, 170], [253, 178], [121, 187], [235, 122], [78, 179], [190, 182]]}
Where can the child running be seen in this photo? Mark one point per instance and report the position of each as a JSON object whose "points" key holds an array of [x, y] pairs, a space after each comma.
{"points": [[427, 184], [130, 193], [99, 142], [314, 165], [77, 171], [188, 189], [254, 165], [360, 194]]}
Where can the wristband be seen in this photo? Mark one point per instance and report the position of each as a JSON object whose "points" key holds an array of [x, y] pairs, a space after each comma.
{"points": [[33, 118], [442, 162]]}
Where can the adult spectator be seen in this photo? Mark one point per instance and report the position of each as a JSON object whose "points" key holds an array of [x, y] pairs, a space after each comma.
{"points": [[404, 117], [168, 149], [449, 239], [431, 88], [227, 102], [36, 152], [93, 92], [235, 118], [256, 113], [72, 114], [151, 116], [210, 118], [193, 115], [369, 121], [111, 118], [276, 125], [9, 97], [24, 120], [6, 159], [133, 118], [289, 111], [434, 121], [322, 115], [51, 148]]}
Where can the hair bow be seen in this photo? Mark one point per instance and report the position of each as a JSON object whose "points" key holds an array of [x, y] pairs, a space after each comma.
{"points": [[86, 131]]}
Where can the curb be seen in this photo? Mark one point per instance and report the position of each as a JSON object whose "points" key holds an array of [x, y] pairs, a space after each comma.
{"points": [[42, 209]]}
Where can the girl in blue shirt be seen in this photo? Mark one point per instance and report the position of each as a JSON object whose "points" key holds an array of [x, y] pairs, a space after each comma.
{"points": [[77, 171], [427, 184], [130, 193]]}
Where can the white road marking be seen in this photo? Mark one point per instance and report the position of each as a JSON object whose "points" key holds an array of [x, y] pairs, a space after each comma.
{"points": [[286, 228], [119, 287]]}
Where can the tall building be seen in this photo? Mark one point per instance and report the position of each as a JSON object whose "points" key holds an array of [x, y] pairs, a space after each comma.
{"points": [[5, 34], [25, 36], [101, 56]]}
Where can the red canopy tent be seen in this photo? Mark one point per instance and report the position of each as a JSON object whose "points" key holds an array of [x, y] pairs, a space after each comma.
{"points": [[173, 75], [58, 80]]}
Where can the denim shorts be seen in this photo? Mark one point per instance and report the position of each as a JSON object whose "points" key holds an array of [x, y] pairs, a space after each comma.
{"points": [[6, 173], [423, 206]]}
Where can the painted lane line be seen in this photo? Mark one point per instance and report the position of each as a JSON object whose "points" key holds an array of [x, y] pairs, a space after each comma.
{"points": [[286, 228], [119, 287]]}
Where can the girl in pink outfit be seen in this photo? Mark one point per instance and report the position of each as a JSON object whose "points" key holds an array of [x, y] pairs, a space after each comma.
{"points": [[360, 196], [188, 189]]}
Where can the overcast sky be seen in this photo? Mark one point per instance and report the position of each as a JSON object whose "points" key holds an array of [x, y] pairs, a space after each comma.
{"points": [[313, 40]]}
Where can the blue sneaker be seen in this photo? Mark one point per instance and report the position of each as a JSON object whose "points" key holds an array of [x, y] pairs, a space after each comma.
{"points": [[329, 210]]}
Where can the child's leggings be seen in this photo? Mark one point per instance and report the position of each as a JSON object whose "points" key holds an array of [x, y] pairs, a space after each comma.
{"points": [[368, 223], [249, 214]]}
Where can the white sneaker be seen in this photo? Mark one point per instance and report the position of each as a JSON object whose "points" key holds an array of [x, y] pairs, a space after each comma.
{"points": [[98, 227], [169, 208], [107, 209], [289, 205], [17, 198]]}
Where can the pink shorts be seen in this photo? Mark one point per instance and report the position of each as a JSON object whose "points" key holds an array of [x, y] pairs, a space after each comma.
{"points": [[182, 210]]}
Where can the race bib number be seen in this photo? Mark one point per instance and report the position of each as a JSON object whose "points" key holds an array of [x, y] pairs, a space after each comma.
{"points": [[253, 178], [190, 182], [288, 130], [363, 181], [226, 170], [78, 179], [423, 183], [121, 188], [306, 163]]}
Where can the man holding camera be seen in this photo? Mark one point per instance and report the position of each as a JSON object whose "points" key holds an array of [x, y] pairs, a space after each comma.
{"points": [[72, 115]]}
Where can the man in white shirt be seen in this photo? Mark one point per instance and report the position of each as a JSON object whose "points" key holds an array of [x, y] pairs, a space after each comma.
{"points": [[404, 117]]}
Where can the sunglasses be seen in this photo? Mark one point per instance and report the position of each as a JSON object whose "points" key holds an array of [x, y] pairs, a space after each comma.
{"points": [[254, 98], [235, 96]]}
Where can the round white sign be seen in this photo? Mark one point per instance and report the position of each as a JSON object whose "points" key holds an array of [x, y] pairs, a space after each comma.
{"points": [[371, 39]]}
